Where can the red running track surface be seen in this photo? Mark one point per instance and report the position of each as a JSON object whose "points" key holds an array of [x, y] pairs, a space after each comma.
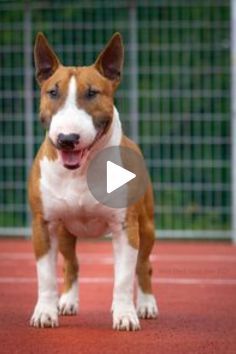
{"points": [[195, 284]]}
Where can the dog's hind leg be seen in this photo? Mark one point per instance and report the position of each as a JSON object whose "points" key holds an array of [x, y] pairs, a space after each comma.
{"points": [[68, 303]]}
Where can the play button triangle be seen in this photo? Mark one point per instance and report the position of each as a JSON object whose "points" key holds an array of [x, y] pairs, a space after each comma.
{"points": [[117, 176]]}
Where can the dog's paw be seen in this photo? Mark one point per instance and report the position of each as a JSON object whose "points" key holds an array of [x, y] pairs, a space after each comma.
{"points": [[146, 306], [45, 315], [125, 318], [68, 303]]}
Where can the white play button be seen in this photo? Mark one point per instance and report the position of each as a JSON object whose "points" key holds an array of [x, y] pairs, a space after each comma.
{"points": [[117, 176]]}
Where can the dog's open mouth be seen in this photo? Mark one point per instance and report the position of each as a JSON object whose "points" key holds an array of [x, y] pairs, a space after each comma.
{"points": [[73, 159]]}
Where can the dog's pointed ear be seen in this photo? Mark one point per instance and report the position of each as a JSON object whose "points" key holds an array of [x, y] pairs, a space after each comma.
{"points": [[46, 61], [110, 61]]}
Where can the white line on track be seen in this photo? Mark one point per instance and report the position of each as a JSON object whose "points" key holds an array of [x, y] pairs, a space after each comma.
{"points": [[108, 259], [109, 280]]}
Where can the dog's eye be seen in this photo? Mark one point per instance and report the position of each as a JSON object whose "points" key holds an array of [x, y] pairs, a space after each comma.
{"points": [[53, 93], [91, 93]]}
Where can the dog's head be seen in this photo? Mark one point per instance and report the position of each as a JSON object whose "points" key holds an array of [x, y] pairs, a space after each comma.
{"points": [[77, 102]]}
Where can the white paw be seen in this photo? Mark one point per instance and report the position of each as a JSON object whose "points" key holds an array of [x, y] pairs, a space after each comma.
{"points": [[125, 318], [67, 306], [68, 303], [45, 315], [146, 306]]}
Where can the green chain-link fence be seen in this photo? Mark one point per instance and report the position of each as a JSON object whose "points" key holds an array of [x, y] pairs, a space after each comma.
{"points": [[174, 99]]}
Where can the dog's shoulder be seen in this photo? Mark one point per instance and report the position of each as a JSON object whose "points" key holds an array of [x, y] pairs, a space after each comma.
{"points": [[129, 143], [45, 150]]}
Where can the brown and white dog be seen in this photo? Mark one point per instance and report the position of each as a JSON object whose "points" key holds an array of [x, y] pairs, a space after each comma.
{"points": [[78, 111]]}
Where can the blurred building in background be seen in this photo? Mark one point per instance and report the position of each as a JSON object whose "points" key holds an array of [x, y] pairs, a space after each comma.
{"points": [[174, 100]]}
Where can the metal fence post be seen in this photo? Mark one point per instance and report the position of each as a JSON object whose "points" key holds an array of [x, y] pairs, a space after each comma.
{"points": [[134, 72], [233, 116], [28, 93]]}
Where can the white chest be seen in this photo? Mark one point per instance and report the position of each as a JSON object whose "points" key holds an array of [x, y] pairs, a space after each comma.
{"points": [[66, 197]]}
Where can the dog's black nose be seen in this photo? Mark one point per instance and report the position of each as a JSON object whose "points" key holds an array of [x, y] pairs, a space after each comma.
{"points": [[67, 141]]}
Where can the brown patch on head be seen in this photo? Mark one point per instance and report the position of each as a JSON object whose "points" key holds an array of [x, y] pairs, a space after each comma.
{"points": [[53, 93], [95, 96], [52, 77], [96, 84]]}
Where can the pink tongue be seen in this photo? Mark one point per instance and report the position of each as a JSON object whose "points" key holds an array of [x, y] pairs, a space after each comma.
{"points": [[71, 158]]}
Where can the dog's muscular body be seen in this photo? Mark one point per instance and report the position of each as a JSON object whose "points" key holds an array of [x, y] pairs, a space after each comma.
{"points": [[78, 110]]}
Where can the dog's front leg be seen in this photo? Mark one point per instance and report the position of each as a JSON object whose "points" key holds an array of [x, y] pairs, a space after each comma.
{"points": [[45, 247], [125, 256]]}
